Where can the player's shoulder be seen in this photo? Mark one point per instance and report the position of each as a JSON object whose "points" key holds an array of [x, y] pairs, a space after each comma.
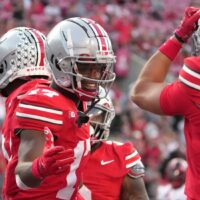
{"points": [[27, 86], [123, 149], [45, 96], [192, 62], [39, 107], [126, 146], [21, 90], [128, 157]]}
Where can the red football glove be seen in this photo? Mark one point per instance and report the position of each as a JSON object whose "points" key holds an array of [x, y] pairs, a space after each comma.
{"points": [[54, 160], [188, 25], [79, 197]]}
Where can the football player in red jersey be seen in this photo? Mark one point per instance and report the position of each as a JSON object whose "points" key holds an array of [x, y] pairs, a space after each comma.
{"points": [[181, 97], [114, 170], [49, 166], [21, 61]]}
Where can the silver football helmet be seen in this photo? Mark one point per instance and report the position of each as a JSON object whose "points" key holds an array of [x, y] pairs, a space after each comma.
{"points": [[22, 55], [196, 41], [101, 116], [80, 56]]}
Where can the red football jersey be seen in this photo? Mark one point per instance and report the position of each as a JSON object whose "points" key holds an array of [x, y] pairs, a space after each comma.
{"points": [[179, 99], [45, 107], [106, 168], [10, 104]]}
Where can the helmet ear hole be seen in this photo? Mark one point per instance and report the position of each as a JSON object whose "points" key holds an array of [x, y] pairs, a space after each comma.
{"points": [[54, 61], [57, 65], [1, 68]]}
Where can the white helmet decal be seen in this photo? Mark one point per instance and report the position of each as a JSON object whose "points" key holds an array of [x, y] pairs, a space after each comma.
{"points": [[22, 55]]}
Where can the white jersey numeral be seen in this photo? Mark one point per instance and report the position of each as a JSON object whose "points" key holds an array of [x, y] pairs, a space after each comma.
{"points": [[85, 192], [79, 151], [45, 92], [5, 149]]}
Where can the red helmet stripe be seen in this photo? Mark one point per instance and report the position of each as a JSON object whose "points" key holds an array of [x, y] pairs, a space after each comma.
{"points": [[100, 33], [101, 38], [40, 45]]}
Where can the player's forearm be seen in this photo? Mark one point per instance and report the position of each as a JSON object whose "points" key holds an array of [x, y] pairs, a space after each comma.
{"points": [[23, 173]]}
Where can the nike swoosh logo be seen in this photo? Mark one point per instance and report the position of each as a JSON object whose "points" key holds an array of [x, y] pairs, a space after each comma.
{"points": [[106, 162]]}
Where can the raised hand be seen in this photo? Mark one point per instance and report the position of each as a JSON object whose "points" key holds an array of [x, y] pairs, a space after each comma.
{"points": [[55, 159], [188, 25]]}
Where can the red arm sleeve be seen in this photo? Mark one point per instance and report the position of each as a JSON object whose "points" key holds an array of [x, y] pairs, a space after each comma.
{"points": [[174, 100]]}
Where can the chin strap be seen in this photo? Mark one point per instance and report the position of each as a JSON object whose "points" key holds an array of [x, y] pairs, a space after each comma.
{"points": [[93, 103], [82, 116], [82, 119]]}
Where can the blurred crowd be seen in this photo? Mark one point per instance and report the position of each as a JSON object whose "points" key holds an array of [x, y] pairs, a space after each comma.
{"points": [[135, 27]]}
